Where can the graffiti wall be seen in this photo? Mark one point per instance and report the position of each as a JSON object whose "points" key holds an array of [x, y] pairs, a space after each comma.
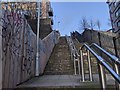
{"points": [[19, 49]]}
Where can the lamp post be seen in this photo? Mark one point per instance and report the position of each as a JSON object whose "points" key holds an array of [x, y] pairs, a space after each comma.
{"points": [[58, 24], [0, 48], [37, 53]]}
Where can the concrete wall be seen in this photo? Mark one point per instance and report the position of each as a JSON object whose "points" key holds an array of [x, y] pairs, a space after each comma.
{"points": [[104, 39], [118, 46], [19, 49], [46, 46], [90, 36], [45, 27], [107, 42], [0, 50]]}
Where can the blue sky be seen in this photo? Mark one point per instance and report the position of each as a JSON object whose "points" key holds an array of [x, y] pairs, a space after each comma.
{"points": [[69, 15]]}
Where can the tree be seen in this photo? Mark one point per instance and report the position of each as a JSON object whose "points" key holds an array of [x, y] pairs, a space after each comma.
{"points": [[84, 23], [92, 24], [98, 24]]}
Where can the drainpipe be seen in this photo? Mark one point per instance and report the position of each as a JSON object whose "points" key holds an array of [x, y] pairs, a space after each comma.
{"points": [[37, 53]]}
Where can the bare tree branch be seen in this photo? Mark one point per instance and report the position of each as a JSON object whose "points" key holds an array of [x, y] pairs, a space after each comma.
{"points": [[84, 23], [92, 24], [98, 24]]}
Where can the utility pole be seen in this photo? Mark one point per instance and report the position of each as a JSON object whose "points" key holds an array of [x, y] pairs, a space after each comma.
{"points": [[37, 53]]}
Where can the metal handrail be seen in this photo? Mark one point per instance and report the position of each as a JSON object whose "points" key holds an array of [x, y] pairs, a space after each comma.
{"points": [[113, 57], [103, 63], [74, 54], [72, 46]]}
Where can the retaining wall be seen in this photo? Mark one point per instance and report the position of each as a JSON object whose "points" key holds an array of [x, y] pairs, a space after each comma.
{"points": [[19, 49], [46, 46], [103, 39]]}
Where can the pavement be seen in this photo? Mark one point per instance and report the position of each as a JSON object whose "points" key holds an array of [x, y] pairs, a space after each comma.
{"points": [[63, 81]]}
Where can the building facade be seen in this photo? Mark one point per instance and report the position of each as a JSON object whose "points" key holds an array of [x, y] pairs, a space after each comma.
{"points": [[114, 10], [30, 8]]}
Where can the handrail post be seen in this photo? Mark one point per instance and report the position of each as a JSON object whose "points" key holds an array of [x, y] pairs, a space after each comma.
{"points": [[75, 65], [117, 85], [76, 59], [102, 76], [89, 65], [82, 66], [71, 52], [78, 64], [102, 65]]}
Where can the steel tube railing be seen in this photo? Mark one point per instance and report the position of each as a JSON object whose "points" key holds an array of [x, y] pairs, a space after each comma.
{"points": [[113, 57], [89, 65], [82, 67], [102, 64], [74, 54]]}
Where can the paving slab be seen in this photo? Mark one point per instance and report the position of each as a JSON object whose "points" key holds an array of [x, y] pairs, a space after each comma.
{"points": [[63, 81]]}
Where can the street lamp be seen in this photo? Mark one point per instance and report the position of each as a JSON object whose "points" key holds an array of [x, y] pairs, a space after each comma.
{"points": [[58, 25], [37, 53]]}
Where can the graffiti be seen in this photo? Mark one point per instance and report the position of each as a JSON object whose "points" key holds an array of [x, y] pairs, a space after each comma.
{"points": [[18, 48]]}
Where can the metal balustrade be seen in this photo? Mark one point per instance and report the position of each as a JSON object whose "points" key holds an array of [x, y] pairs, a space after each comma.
{"points": [[101, 64], [114, 59], [74, 54]]}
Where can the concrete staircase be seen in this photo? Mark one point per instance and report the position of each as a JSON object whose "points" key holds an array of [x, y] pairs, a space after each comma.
{"points": [[59, 73], [60, 62]]}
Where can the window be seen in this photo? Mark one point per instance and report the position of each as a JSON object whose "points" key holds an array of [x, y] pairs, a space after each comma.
{"points": [[117, 13], [118, 23], [115, 2]]}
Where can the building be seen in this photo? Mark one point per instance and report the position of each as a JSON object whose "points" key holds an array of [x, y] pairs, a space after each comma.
{"points": [[30, 9], [114, 10]]}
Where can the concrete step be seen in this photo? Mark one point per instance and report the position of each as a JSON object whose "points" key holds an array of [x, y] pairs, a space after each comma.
{"points": [[90, 87], [59, 61], [61, 82]]}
